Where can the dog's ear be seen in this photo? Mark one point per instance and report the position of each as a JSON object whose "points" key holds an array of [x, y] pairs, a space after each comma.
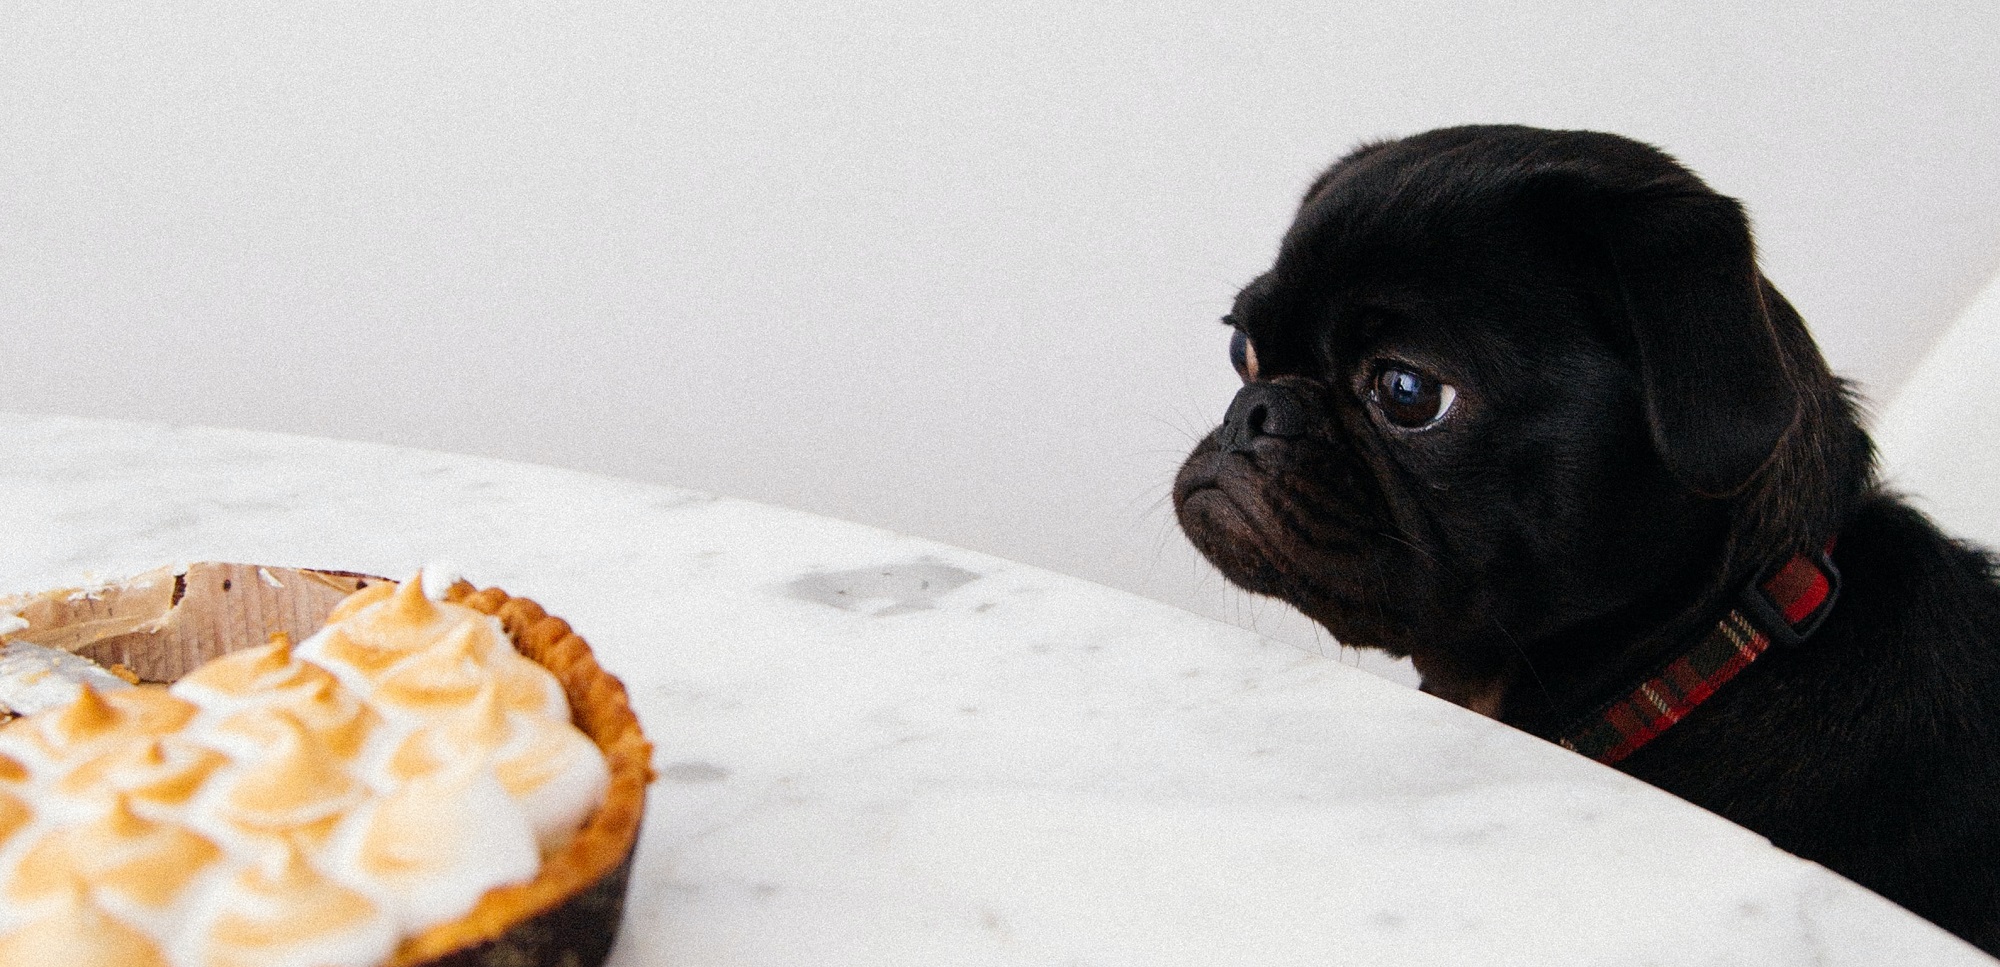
{"points": [[1682, 270]]}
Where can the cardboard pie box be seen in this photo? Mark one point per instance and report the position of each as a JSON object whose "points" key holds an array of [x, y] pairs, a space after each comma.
{"points": [[163, 624]]}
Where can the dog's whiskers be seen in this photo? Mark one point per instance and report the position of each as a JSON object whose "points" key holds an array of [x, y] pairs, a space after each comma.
{"points": [[1526, 662], [1412, 545], [1381, 610]]}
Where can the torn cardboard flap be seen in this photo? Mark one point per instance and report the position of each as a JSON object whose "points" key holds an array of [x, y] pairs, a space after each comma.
{"points": [[162, 625]]}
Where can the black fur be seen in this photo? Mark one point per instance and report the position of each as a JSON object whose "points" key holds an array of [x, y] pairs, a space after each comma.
{"points": [[1642, 424]]}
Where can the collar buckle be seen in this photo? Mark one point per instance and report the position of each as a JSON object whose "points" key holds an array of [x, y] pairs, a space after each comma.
{"points": [[1806, 585]]}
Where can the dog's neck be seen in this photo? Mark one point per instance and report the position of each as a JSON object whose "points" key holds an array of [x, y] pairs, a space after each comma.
{"points": [[1541, 686], [1612, 685]]}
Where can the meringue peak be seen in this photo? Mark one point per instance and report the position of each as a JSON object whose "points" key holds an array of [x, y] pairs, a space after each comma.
{"points": [[77, 931]]}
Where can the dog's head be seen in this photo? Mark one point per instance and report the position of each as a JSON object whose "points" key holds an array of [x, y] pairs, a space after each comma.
{"points": [[1503, 382]]}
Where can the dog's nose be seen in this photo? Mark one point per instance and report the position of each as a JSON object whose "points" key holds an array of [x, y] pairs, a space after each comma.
{"points": [[1262, 409]]}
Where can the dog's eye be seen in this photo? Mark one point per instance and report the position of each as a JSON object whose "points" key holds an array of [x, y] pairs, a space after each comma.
{"points": [[1410, 399], [1243, 356]]}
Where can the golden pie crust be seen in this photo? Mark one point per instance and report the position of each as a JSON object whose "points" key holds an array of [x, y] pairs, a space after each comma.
{"points": [[163, 625]]}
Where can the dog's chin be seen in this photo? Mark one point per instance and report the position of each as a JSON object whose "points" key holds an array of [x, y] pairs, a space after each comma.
{"points": [[1251, 535], [1224, 527], [1223, 509]]}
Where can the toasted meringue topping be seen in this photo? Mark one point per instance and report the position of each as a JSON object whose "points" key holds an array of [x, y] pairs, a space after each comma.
{"points": [[88, 717], [339, 649], [305, 806], [443, 676], [251, 671], [166, 771], [412, 608], [97, 719], [554, 772], [438, 843], [75, 931], [528, 687], [281, 912], [482, 723], [559, 778], [405, 612], [15, 813], [11, 769], [119, 851], [323, 706], [150, 710], [297, 782]]}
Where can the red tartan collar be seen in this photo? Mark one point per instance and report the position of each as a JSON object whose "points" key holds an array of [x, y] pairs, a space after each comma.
{"points": [[1785, 608]]}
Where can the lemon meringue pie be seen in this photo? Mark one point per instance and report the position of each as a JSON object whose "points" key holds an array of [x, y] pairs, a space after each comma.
{"points": [[419, 781]]}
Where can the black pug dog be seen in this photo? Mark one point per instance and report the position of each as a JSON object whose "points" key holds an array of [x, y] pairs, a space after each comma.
{"points": [[1519, 405]]}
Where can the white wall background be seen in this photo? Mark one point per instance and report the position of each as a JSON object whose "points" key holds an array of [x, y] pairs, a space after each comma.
{"points": [[1937, 437], [951, 269]]}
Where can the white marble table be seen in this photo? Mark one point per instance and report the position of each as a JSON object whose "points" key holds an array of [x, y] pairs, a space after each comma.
{"points": [[875, 749]]}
